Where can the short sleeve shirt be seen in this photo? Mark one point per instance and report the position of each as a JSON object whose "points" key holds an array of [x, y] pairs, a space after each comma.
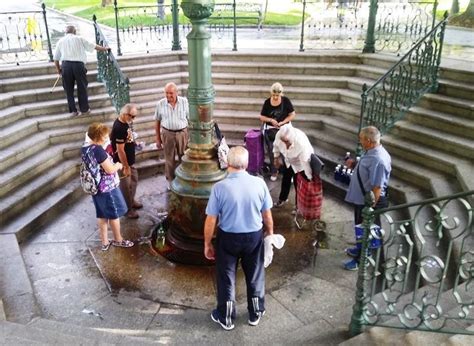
{"points": [[238, 201], [374, 169], [173, 118], [122, 133], [280, 112]]}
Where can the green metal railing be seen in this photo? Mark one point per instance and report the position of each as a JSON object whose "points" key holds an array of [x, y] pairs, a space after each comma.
{"points": [[422, 278], [416, 73], [24, 36], [109, 72]]}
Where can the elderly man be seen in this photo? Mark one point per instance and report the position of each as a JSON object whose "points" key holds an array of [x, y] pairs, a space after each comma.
{"points": [[123, 138], [71, 51], [295, 148], [171, 115], [242, 203], [372, 173]]}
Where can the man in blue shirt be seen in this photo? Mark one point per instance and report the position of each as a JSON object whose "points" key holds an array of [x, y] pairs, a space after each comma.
{"points": [[242, 203], [372, 173]]}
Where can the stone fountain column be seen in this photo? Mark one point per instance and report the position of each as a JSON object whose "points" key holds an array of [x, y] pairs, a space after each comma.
{"points": [[199, 169]]}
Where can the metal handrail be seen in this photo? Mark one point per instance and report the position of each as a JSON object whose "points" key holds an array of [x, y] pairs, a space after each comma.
{"points": [[382, 103], [110, 73], [402, 259]]}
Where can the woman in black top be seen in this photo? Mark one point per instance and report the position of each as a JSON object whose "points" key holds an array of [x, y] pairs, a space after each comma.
{"points": [[277, 111]]}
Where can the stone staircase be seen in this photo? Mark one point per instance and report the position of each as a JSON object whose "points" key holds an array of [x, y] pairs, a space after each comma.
{"points": [[432, 147]]}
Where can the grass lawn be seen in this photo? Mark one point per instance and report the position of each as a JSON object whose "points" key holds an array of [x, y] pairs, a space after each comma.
{"points": [[286, 13]]}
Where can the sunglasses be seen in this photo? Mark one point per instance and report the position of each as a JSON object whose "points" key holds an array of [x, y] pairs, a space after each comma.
{"points": [[132, 116]]}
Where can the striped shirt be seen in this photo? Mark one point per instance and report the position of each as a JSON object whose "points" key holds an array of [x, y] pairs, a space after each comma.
{"points": [[172, 119], [73, 48]]}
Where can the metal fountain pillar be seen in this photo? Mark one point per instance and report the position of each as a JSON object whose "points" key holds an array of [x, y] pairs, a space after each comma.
{"points": [[199, 169]]}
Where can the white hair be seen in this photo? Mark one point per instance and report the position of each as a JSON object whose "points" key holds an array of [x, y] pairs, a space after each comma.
{"points": [[371, 133], [276, 88], [238, 157]]}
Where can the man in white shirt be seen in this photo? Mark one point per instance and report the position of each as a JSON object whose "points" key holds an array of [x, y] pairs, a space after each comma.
{"points": [[171, 115], [71, 51]]}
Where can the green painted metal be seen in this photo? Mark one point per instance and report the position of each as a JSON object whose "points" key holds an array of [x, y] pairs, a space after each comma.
{"points": [[175, 11], [199, 170], [109, 72], [302, 27], [50, 50], [422, 277], [416, 73], [116, 13], [370, 37]]}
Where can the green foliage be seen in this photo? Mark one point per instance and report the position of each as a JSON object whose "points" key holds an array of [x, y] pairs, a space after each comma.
{"points": [[105, 15]]}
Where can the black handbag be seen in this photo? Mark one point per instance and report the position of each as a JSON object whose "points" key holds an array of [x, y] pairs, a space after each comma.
{"points": [[316, 165]]}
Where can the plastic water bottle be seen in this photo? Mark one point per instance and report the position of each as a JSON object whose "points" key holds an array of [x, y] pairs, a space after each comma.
{"points": [[337, 173], [348, 156], [348, 176]]}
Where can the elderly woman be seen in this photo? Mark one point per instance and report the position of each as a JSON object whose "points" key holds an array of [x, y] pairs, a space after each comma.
{"points": [[109, 202], [294, 147], [277, 111]]}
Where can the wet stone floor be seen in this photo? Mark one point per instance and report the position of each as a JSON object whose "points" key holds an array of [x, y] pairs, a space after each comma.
{"points": [[70, 273]]}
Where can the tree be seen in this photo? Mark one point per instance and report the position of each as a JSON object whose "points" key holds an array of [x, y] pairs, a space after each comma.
{"points": [[466, 19], [454, 7]]}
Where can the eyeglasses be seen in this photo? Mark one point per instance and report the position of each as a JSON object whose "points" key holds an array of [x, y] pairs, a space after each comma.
{"points": [[133, 116]]}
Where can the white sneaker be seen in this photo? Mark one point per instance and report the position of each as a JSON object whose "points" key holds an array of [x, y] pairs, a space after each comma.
{"points": [[274, 177]]}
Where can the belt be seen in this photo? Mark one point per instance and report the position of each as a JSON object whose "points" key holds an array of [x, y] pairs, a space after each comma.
{"points": [[75, 62], [175, 130]]}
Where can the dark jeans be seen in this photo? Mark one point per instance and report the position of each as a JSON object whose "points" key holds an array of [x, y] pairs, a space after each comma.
{"points": [[75, 72], [381, 203], [248, 248], [269, 138]]}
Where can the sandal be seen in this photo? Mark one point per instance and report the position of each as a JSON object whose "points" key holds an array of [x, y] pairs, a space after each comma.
{"points": [[123, 243], [105, 247]]}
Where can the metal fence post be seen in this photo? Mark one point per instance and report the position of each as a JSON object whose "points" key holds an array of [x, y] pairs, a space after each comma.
{"points": [[434, 88], [175, 14], [357, 319], [119, 51], [302, 27], [369, 46], [235, 27], [50, 49]]}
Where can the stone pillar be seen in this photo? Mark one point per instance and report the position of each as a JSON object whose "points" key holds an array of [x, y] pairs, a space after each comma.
{"points": [[199, 169]]}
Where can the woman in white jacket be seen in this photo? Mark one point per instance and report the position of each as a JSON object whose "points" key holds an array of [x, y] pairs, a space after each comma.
{"points": [[293, 149]]}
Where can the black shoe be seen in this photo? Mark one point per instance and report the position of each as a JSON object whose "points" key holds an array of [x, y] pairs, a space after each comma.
{"points": [[215, 318], [254, 319]]}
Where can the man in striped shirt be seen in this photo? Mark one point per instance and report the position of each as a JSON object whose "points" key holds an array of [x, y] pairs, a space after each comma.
{"points": [[171, 115], [71, 51]]}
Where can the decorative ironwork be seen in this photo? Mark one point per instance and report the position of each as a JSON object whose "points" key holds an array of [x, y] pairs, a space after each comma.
{"points": [[150, 28], [416, 73], [109, 72], [24, 36], [344, 24], [422, 277]]}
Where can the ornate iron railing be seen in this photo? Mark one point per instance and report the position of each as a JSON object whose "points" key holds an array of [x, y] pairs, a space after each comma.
{"points": [[343, 24], [422, 277], [109, 72], [416, 73], [24, 36], [152, 28]]}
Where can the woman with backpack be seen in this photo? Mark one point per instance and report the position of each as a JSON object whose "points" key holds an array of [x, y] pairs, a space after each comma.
{"points": [[108, 199]]}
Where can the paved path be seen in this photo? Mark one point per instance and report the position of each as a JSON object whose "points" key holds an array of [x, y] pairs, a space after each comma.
{"points": [[135, 290]]}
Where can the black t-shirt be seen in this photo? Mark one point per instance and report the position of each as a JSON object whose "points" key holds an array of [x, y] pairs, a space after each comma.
{"points": [[122, 133], [280, 112]]}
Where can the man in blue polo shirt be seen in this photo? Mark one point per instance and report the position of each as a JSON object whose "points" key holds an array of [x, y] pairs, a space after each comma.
{"points": [[242, 203], [372, 173]]}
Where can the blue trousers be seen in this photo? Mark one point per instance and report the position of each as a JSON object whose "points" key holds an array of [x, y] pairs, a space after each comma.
{"points": [[248, 248]]}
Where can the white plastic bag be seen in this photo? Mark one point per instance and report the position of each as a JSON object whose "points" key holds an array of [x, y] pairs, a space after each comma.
{"points": [[270, 241]]}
